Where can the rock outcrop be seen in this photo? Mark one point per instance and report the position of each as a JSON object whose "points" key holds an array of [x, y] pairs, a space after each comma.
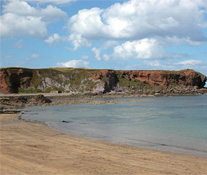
{"points": [[12, 104], [22, 80]]}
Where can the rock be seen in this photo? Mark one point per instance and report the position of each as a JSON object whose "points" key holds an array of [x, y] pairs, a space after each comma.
{"points": [[64, 121], [99, 89], [42, 99], [21, 100]]}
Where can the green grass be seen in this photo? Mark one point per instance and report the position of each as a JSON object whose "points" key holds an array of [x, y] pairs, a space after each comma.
{"points": [[36, 80], [28, 90], [63, 70]]}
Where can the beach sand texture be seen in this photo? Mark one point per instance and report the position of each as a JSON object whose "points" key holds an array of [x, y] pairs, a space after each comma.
{"points": [[31, 148]]}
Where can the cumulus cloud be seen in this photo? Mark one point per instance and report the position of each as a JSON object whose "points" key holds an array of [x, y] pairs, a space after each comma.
{"points": [[20, 19], [54, 39], [139, 49], [148, 48], [175, 40], [109, 44], [86, 22], [138, 19], [14, 25], [74, 63], [145, 28], [78, 41], [22, 8], [105, 47], [97, 53]]}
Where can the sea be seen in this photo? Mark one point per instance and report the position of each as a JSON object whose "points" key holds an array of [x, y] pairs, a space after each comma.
{"points": [[174, 124]]}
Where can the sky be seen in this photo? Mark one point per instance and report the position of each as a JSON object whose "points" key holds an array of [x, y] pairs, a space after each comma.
{"points": [[108, 34]]}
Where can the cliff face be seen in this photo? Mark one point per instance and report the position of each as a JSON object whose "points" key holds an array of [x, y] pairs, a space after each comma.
{"points": [[17, 80], [11, 78], [166, 79]]}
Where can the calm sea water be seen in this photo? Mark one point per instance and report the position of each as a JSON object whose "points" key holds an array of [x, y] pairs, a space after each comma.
{"points": [[176, 124]]}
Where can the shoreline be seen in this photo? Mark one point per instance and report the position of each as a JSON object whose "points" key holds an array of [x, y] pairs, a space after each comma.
{"points": [[13, 103], [33, 147], [177, 150], [109, 94], [161, 147]]}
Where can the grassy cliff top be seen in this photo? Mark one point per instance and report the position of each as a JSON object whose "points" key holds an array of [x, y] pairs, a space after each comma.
{"points": [[69, 69]]}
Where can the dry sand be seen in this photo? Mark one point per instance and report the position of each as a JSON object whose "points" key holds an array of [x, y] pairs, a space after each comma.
{"points": [[31, 148]]}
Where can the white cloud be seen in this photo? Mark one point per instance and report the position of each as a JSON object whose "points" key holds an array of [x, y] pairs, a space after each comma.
{"points": [[86, 22], [20, 19], [19, 8], [98, 56], [51, 14], [144, 27], [189, 62], [179, 41], [106, 57], [148, 48], [137, 19], [54, 39], [78, 41], [109, 44], [140, 49], [97, 53], [35, 55], [105, 47], [74, 63], [22, 8], [13, 25], [18, 44]]}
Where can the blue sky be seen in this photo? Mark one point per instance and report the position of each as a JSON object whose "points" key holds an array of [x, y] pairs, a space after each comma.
{"points": [[114, 34]]}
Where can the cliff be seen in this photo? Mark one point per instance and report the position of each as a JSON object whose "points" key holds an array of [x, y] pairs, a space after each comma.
{"points": [[23, 80]]}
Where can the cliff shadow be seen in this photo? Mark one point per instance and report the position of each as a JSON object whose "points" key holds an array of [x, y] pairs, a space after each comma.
{"points": [[15, 83]]}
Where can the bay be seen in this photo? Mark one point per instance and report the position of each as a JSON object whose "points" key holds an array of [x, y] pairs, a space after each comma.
{"points": [[177, 124]]}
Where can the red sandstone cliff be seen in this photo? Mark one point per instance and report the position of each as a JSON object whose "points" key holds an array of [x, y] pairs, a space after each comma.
{"points": [[165, 78], [14, 79]]}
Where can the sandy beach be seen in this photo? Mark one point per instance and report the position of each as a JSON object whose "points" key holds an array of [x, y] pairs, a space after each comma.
{"points": [[32, 148]]}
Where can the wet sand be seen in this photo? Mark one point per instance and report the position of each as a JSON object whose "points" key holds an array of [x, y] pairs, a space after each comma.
{"points": [[31, 148]]}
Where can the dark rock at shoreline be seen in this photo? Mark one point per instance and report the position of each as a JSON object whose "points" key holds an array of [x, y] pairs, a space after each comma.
{"points": [[16, 102], [42, 99], [21, 100], [13, 104]]}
